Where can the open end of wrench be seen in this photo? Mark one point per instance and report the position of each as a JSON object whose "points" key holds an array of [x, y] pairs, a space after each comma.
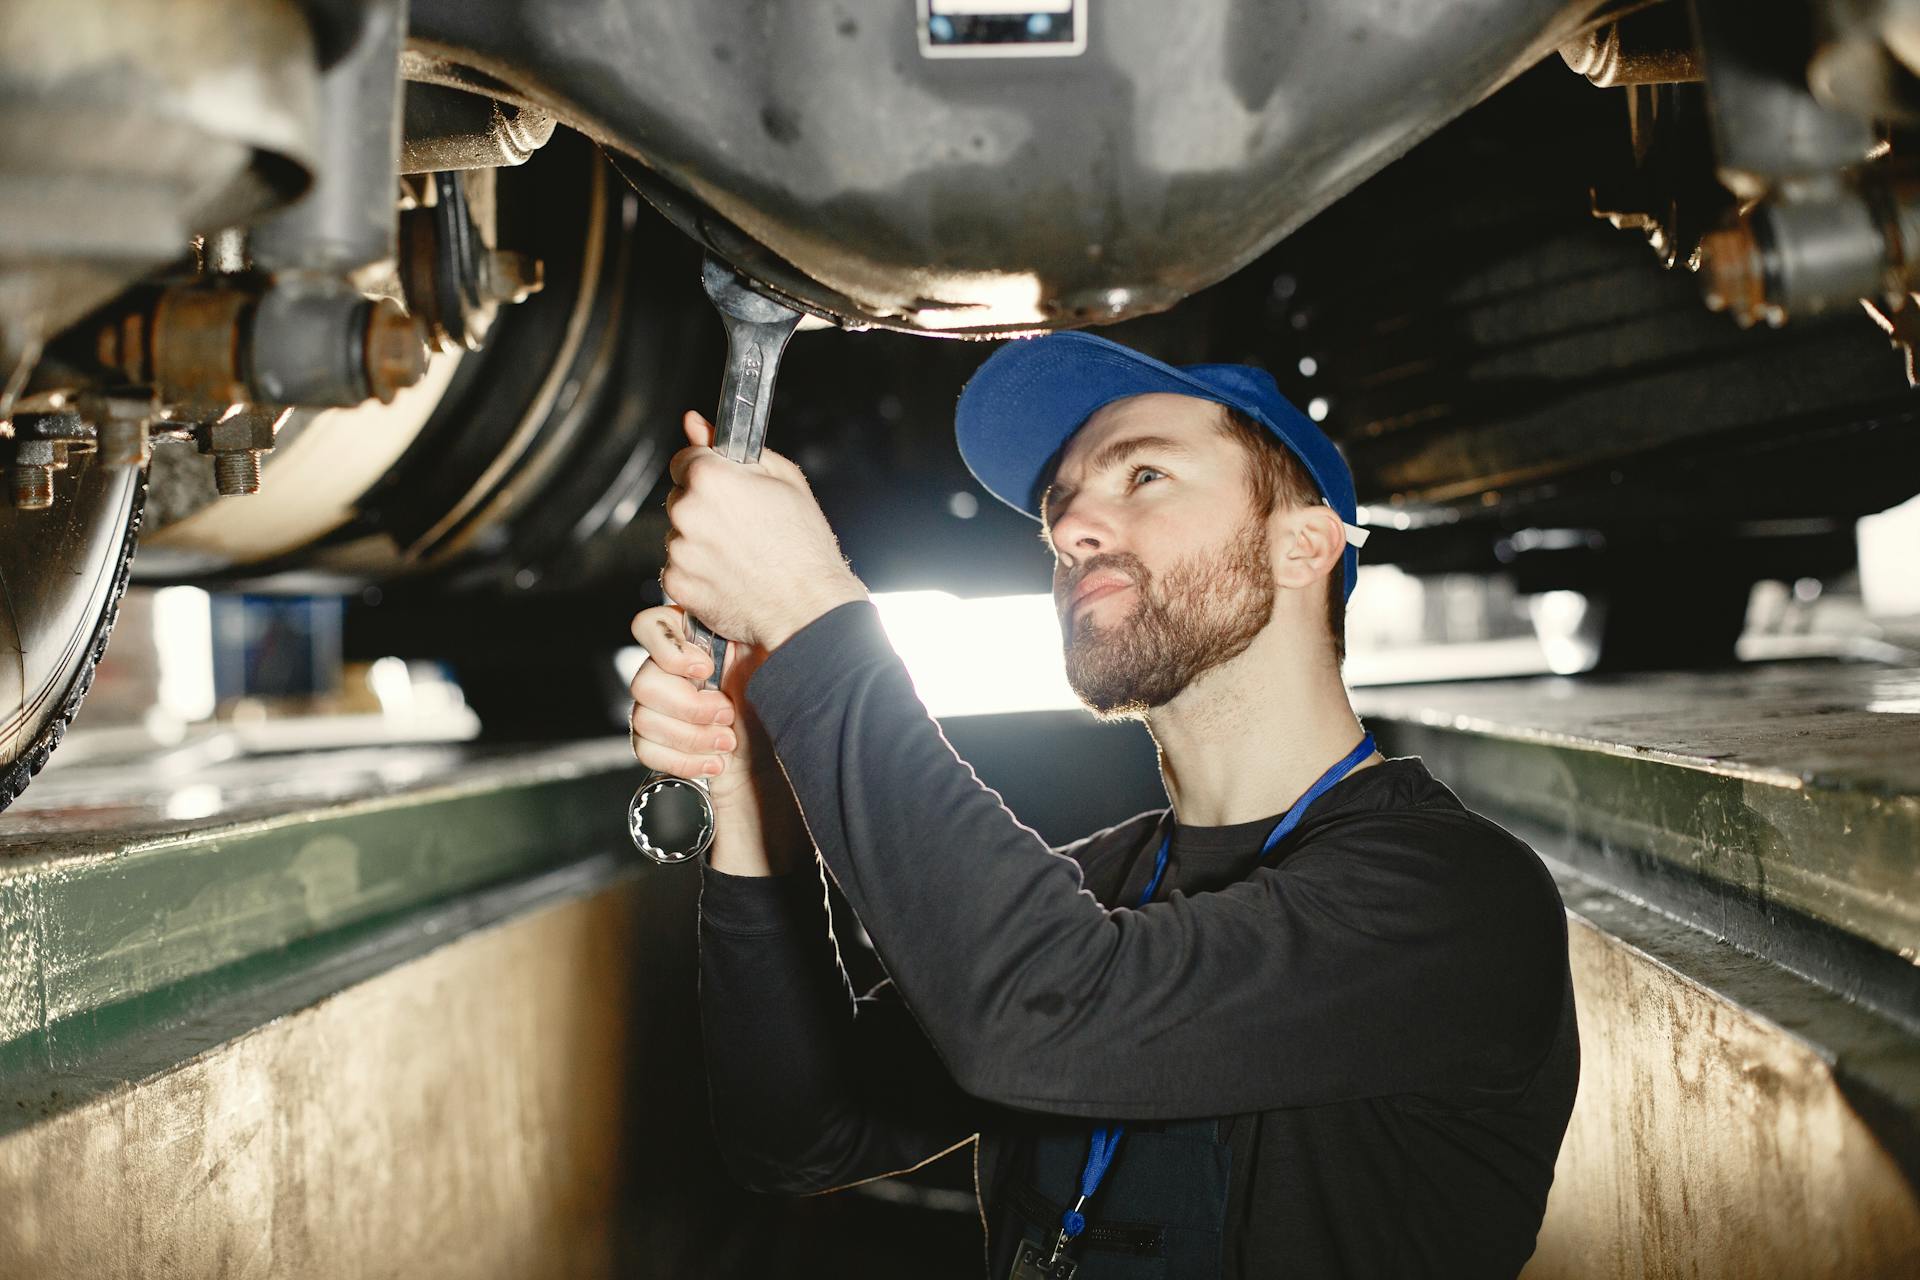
{"points": [[737, 298]]}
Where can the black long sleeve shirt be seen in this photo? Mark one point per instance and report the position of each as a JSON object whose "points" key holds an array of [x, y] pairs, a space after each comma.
{"points": [[1378, 1010]]}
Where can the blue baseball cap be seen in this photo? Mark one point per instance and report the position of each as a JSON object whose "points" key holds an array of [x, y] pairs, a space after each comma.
{"points": [[1022, 406]]}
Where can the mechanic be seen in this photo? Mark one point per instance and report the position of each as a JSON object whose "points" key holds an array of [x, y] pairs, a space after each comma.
{"points": [[1312, 1020]]}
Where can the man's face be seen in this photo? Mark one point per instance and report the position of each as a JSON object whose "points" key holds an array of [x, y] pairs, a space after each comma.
{"points": [[1161, 566]]}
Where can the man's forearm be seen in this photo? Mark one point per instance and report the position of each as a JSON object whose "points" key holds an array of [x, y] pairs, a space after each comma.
{"points": [[760, 832], [951, 888], [808, 1096], [773, 1008]]}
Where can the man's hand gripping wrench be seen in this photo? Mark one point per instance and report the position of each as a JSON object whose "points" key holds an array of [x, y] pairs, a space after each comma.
{"points": [[757, 331]]}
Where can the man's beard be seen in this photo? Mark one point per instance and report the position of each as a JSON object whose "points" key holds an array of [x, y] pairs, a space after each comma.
{"points": [[1204, 610]]}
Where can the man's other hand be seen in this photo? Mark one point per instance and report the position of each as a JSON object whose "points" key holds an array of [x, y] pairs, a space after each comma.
{"points": [[678, 727], [749, 552]]}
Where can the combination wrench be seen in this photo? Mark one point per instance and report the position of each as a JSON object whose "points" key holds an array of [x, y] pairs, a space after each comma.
{"points": [[758, 328]]}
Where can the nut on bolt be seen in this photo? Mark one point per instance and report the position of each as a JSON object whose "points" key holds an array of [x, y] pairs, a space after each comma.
{"points": [[124, 442], [1732, 276], [120, 425], [236, 443], [396, 355], [509, 277]]}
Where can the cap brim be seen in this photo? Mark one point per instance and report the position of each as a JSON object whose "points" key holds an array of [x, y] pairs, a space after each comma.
{"points": [[1025, 402], [1019, 410]]}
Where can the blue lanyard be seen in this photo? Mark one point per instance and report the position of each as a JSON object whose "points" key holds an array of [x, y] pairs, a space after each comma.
{"points": [[1286, 824], [1100, 1150]]}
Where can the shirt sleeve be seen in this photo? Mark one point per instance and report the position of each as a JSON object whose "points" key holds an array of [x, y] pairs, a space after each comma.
{"points": [[811, 1089], [1369, 963]]}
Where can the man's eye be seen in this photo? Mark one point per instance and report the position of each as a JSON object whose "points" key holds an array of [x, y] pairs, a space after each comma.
{"points": [[1141, 475]]}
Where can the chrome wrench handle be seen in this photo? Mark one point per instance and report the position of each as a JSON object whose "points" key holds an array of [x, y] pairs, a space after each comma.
{"points": [[758, 328]]}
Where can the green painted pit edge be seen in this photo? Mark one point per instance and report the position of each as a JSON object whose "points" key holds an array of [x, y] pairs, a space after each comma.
{"points": [[1848, 858], [106, 992]]}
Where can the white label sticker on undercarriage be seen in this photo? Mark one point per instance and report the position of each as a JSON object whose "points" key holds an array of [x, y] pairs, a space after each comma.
{"points": [[1002, 28]]}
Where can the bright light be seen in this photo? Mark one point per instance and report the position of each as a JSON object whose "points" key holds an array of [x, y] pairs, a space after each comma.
{"points": [[1317, 408], [183, 642], [1887, 545], [196, 800], [1561, 620], [1308, 366], [977, 657], [987, 656], [392, 685], [999, 299]]}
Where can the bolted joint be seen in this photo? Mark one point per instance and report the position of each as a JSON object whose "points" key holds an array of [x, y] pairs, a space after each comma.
{"points": [[120, 428], [396, 353], [194, 339], [1732, 276], [124, 442], [507, 277], [305, 340], [250, 427], [184, 342], [236, 443], [454, 281], [306, 345], [315, 343], [1809, 252]]}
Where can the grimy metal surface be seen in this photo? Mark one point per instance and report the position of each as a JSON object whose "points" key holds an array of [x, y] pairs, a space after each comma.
{"points": [[467, 1114], [980, 194], [1719, 1129], [1735, 1118], [131, 939], [379, 1012], [1791, 785]]}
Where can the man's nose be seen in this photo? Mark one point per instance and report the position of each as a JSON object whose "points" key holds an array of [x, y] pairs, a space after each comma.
{"points": [[1082, 530]]}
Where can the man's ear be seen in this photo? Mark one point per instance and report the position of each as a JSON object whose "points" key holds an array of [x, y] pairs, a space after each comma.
{"points": [[1307, 544]]}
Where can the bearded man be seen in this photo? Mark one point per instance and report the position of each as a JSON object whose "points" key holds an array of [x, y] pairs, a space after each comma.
{"points": [[1313, 1019]]}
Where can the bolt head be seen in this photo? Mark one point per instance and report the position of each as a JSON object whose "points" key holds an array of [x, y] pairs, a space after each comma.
{"points": [[252, 427], [34, 451]]}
